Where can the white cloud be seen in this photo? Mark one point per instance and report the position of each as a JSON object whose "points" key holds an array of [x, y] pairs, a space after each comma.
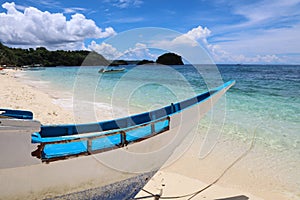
{"points": [[107, 50], [267, 12], [269, 30], [33, 27], [74, 10], [199, 36], [221, 56], [125, 3], [186, 45], [139, 51], [266, 59], [191, 38], [198, 33], [47, 3]]}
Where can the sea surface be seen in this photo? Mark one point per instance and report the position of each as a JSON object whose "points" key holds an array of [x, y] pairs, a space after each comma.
{"points": [[265, 100]]}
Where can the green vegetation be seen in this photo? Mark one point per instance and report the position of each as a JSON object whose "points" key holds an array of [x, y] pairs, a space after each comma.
{"points": [[145, 62], [40, 55], [20, 57], [118, 62]]}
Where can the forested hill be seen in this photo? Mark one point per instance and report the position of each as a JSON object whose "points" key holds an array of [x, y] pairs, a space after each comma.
{"points": [[19, 57]]}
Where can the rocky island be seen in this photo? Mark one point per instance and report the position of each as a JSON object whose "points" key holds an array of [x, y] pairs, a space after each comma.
{"points": [[118, 62], [145, 62], [169, 59]]}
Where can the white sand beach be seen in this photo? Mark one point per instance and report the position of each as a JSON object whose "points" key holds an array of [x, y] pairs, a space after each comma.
{"points": [[17, 95], [187, 175]]}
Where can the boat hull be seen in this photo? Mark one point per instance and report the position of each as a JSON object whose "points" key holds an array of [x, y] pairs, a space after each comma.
{"points": [[125, 189], [85, 175], [110, 174]]}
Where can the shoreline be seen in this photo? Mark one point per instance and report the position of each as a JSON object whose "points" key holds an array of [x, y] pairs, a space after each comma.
{"points": [[178, 178], [18, 95]]}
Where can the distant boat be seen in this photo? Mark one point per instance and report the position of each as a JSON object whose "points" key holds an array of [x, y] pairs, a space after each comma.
{"points": [[34, 67], [111, 70], [85, 161]]}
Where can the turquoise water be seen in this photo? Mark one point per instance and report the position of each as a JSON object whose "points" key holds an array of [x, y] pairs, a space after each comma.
{"points": [[265, 99], [262, 92]]}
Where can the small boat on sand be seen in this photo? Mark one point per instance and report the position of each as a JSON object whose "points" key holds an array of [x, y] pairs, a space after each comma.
{"points": [[18, 114], [111, 159], [111, 70], [17, 121]]}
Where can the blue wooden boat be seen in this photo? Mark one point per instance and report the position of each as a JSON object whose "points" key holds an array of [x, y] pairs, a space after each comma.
{"points": [[106, 160], [17, 121], [18, 114]]}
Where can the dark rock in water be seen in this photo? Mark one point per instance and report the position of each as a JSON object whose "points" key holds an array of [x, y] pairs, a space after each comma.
{"points": [[118, 62], [143, 62], [169, 59]]}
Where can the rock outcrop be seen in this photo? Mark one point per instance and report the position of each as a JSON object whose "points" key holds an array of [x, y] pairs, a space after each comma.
{"points": [[169, 59]]}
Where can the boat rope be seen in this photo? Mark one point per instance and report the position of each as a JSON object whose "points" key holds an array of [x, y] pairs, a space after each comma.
{"points": [[194, 194]]}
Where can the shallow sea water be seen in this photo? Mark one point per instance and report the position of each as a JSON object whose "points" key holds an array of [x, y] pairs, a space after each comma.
{"points": [[264, 100]]}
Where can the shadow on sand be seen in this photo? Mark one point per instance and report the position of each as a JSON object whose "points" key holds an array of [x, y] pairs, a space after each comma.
{"points": [[240, 197]]}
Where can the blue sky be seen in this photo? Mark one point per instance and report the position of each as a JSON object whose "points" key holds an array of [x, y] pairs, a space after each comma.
{"points": [[232, 31]]}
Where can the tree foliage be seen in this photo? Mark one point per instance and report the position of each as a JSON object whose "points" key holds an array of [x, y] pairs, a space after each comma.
{"points": [[40, 55]]}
